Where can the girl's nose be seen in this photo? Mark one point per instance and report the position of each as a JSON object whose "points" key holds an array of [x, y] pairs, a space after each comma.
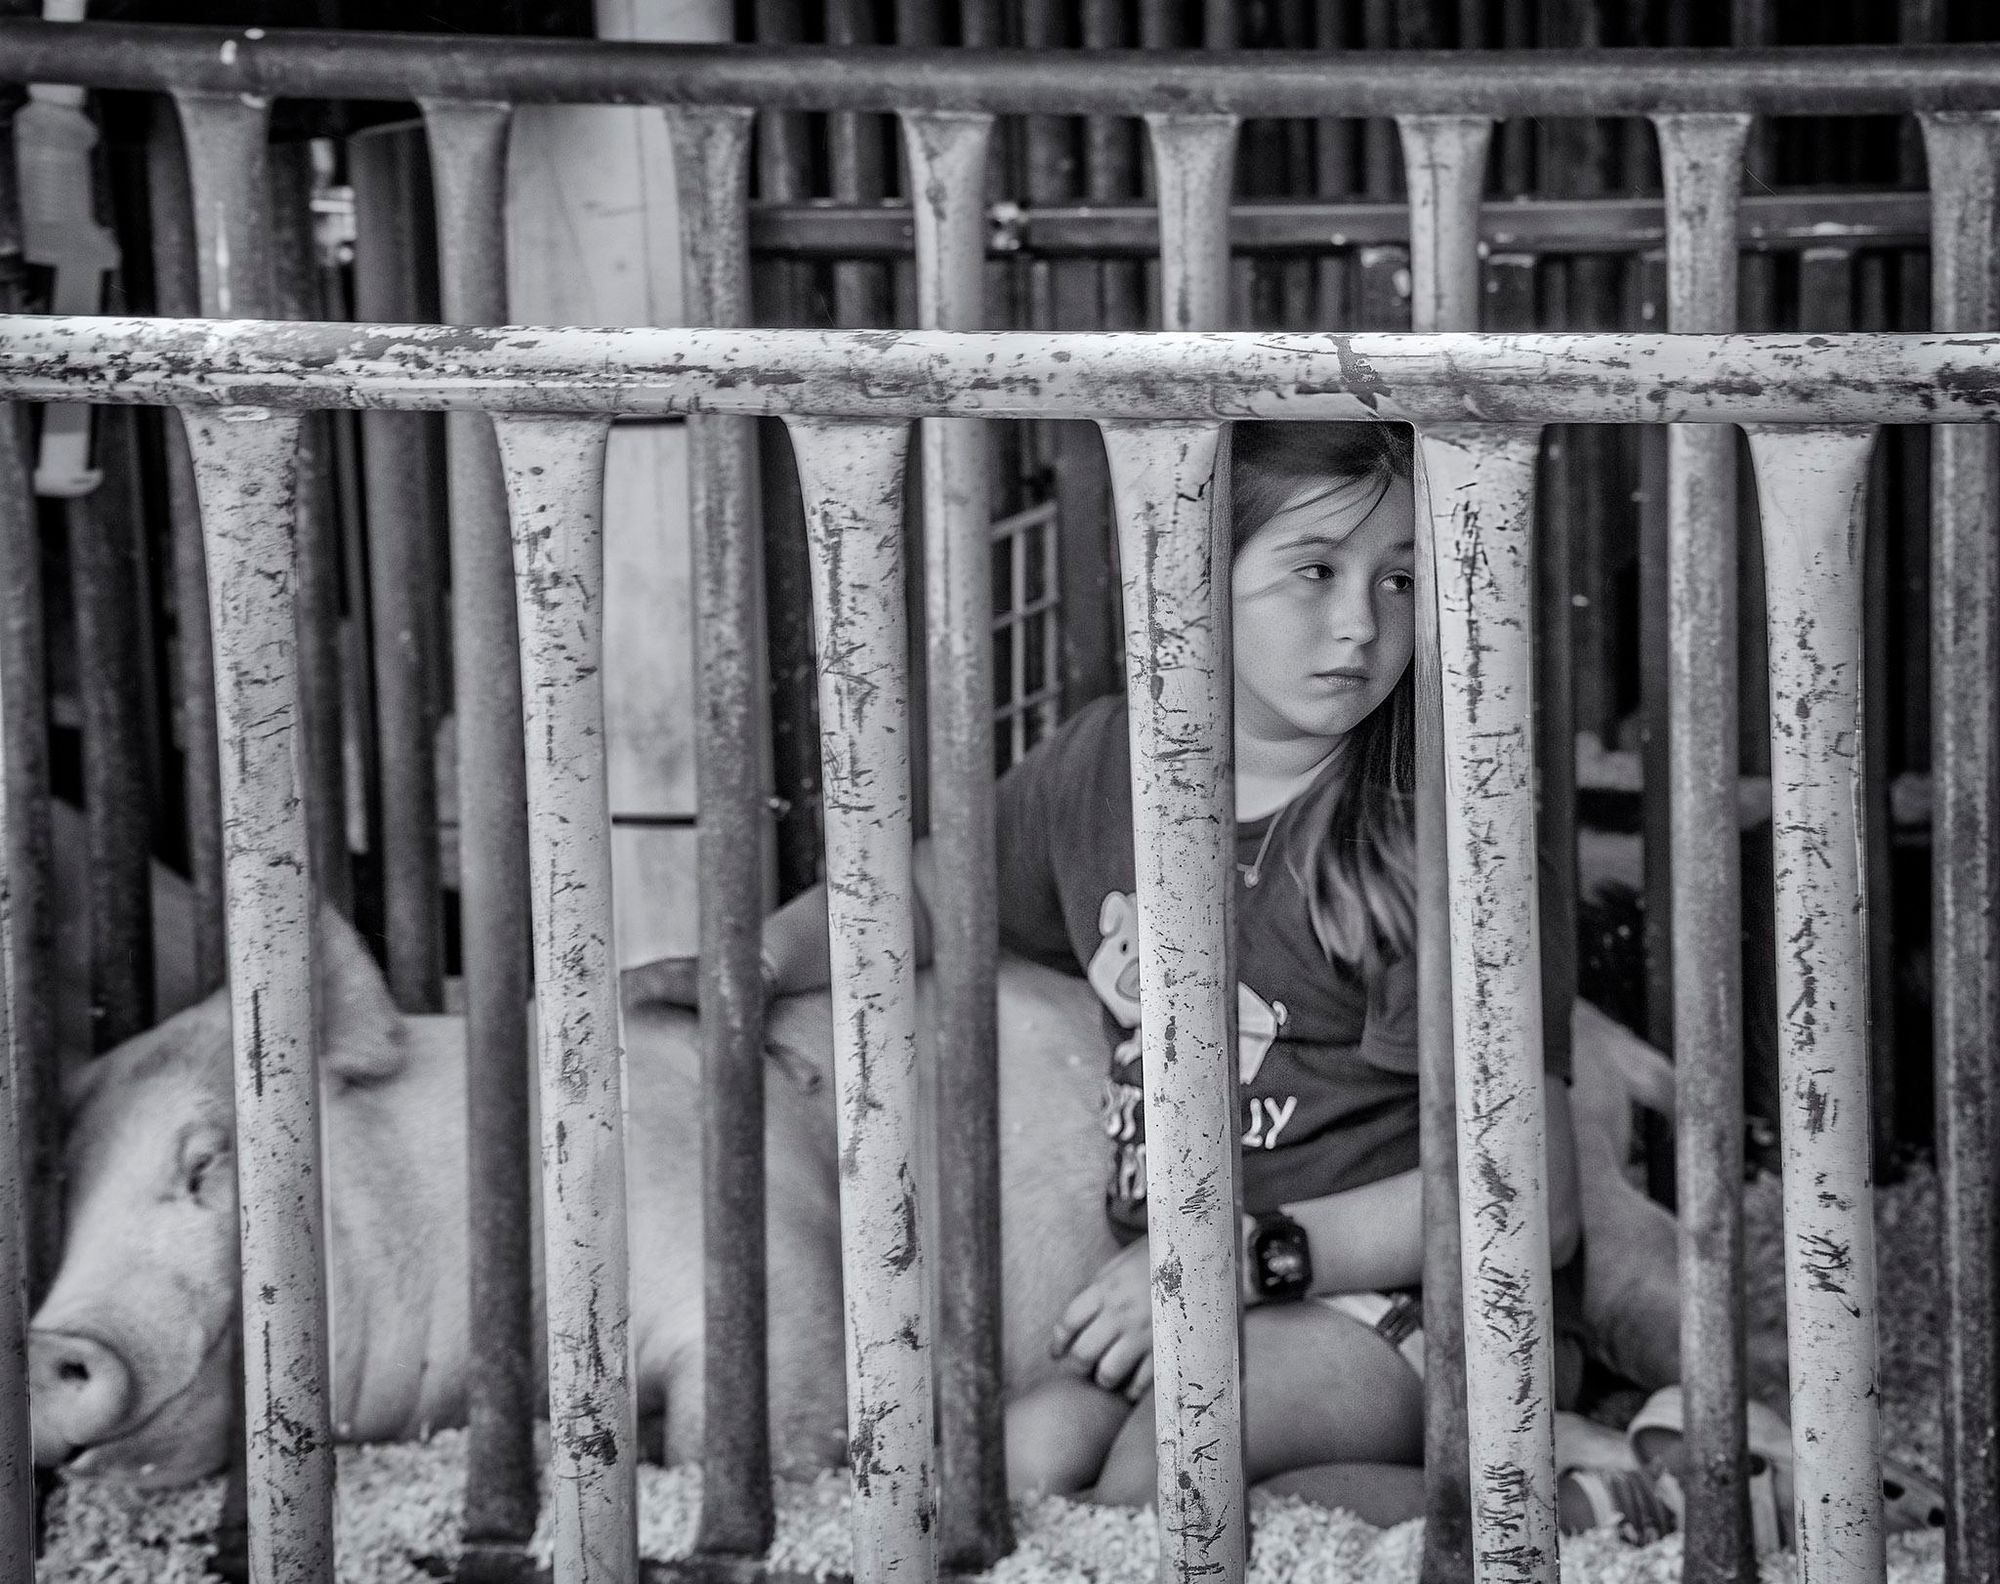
{"points": [[1352, 617]]}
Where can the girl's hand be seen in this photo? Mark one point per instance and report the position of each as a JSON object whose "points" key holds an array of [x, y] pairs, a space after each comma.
{"points": [[1106, 1334]]}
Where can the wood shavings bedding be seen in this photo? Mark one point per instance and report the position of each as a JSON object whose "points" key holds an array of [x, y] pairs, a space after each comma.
{"points": [[398, 1506]]}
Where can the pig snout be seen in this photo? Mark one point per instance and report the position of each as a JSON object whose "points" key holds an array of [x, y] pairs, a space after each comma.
{"points": [[80, 1391]]}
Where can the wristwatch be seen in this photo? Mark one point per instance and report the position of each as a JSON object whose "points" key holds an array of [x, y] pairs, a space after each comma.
{"points": [[1281, 1267]]}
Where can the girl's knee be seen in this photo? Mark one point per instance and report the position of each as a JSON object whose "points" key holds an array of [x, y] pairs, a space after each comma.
{"points": [[1058, 1435]]}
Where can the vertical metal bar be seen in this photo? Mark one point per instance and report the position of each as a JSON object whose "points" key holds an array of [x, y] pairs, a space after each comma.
{"points": [[1108, 171], [712, 154], [1479, 493], [17, 1455], [852, 475], [1701, 159], [468, 143], [1194, 160], [228, 188], [554, 471], [861, 287], [1170, 482], [296, 268], [1964, 157], [948, 156], [1809, 484], [399, 483], [29, 949], [244, 469], [1445, 165], [1333, 169]]}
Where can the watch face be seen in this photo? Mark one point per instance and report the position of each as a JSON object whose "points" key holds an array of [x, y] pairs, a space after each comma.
{"points": [[1284, 1259]]}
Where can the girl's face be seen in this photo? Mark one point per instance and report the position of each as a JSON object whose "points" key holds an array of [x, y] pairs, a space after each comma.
{"points": [[1324, 606]]}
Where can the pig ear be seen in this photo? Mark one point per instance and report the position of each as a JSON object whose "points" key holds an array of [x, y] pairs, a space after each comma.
{"points": [[361, 1031]]}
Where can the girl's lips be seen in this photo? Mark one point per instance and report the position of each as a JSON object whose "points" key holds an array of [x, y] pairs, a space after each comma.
{"points": [[1341, 679]]}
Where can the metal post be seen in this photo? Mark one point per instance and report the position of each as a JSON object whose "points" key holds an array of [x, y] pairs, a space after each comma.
{"points": [[554, 471], [1701, 161], [712, 155], [1445, 167], [1171, 485], [947, 155], [1479, 492], [468, 144], [1194, 159], [1964, 157], [852, 478], [1809, 484], [244, 462]]}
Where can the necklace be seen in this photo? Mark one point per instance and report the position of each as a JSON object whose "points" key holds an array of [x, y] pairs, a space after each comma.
{"points": [[1253, 871]]}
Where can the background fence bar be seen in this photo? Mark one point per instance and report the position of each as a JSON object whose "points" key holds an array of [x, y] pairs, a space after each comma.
{"points": [[852, 477], [1809, 484], [399, 468], [947, 161], [468, 144], [1171, 485], [244, 470], [228, 187], [554, 470], [1479, 484], [712, 154], [1445, 165], [1194, 160], [17, 1453], [29, 948], [1963, 152], [300, 295], [1702, 163]]}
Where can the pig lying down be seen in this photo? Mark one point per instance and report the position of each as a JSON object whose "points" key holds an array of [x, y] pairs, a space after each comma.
{"points": [[130, 1356]]}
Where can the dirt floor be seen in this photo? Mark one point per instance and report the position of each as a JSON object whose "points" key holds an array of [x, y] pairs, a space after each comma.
{"points": [[398, 1505]]}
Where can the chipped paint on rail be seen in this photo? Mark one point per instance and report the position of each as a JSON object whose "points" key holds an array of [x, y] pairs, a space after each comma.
{"points": [[1478, 486], [1809, 491]]}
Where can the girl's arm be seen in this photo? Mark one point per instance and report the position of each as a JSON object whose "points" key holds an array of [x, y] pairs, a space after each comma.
{"points": [[1371, 1238], [795, 937]]}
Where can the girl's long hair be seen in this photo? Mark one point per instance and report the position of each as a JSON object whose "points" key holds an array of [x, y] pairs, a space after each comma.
{"points": [[1352, 841]]}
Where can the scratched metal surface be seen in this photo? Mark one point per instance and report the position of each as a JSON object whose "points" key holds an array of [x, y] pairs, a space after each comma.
{"points": [[1849, 80], [1962, 154], [947, 155], [1702, 161], [1600, 378], [468, 146], [1479, 486], [245, 474], [1809, 485], [554, 470], [851, 476], [1171, 537], [711, 157]]}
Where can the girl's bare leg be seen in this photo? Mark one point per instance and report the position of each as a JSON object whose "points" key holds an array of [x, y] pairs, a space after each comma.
{"points": [[1319, 1387], [1383, 1494], [1058, 1435]]}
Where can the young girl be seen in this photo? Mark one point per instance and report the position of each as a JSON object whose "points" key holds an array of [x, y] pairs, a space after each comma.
{"points": [[1323, 587]]}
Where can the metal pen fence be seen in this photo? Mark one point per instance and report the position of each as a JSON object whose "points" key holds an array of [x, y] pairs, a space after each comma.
{"points": [[1478, 404]]}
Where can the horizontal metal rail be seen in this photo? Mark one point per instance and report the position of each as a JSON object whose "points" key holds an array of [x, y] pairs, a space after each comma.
{"points": [[1743, 379], [1770, 222], [1851, 80]]}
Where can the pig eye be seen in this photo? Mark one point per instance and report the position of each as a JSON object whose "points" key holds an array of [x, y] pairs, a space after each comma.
{"points": [[202, 1150]]}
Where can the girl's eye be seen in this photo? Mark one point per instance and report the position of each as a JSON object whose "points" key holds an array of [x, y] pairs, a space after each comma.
{"points": [[1400, 582], [1316, 571]]}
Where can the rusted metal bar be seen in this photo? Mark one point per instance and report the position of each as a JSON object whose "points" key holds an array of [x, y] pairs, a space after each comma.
{"points": [[947, 162], [1702, 164], [296, 272], [554, 471], [468, 146], [399, 466], [852, 478], [1809, 485], [1170, 481], [1596, 378], [1445, 166], [1479, 488], [1193, 163], [228, 186], [244, 470], [303, 63], [1964, 158], [712, 153], [106, 561], [31, 1050]]}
